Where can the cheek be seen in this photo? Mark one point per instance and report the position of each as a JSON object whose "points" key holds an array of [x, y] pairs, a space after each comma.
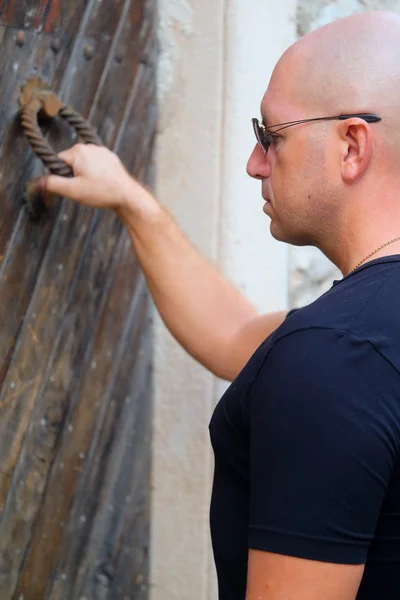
{"points": [[292, 185], [292, 177], [312, 173]]}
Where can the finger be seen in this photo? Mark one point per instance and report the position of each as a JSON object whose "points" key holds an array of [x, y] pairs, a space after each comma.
{"points": [[62, 186], [69, 155]]}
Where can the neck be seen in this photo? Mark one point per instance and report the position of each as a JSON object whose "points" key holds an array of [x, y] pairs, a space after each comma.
{"points": [[366, 236]]}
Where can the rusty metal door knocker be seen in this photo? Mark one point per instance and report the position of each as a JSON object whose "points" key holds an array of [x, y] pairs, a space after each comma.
{"points": [[38, 98]]}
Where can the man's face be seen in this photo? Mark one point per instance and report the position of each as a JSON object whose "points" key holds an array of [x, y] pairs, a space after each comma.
{"points": [[293, 173]]}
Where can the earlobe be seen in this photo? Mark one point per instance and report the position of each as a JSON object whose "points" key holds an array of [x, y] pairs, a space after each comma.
{"points": [[358, 137]]}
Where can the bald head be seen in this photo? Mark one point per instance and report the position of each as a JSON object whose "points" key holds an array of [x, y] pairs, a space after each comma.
{"points": [[351, 65], [335, 184]]}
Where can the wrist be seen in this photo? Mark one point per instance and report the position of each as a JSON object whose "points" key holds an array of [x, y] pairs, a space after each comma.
{"points": [[137, 204]]}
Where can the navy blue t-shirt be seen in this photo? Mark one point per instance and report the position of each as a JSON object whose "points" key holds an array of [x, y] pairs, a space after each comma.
{"points": [[307, 439]]}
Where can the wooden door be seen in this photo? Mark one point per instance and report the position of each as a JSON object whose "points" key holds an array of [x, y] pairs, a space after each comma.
{"points": [[75, 360]]}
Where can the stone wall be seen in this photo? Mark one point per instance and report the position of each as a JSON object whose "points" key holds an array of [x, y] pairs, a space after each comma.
{"points": [[314, 13]]}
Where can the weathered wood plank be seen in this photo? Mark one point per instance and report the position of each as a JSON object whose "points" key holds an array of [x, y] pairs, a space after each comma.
{"points": [[64, 377], [123, 574], [98, 569], [13, 426], [26, 377], [131, 564], [33, 499], [17, 165], [104, 492], [16, 65], [91, 370], [69, 360], [87, 545], [131, 578], [143, 102], [126, 58], [13, 145], [43, 15], [125, 562], [38, 56], [17, 377], [93, 59]]}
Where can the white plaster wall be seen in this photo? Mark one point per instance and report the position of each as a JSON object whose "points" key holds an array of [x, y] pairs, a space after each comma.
{"points": [[188, 164], [216, 59], [258, 32]]}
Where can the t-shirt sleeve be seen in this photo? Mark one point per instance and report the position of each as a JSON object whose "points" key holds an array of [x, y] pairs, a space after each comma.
{"points": [[291, 312], [324, 430]]}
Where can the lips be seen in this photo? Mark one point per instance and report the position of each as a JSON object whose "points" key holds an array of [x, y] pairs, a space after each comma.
{"points": [[268, 207], [266, 197]]}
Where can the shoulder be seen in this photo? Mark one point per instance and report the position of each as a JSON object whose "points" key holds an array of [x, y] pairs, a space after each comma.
{"points": [[296, 347], [324, 370]]}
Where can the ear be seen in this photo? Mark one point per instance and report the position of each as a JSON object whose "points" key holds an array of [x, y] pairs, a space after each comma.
{"points": [[357, 148]]}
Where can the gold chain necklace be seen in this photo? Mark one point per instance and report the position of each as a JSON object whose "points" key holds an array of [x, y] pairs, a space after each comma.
{"points": [[374, 252]]}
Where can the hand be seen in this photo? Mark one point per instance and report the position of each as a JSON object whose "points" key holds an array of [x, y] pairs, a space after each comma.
{"points": [[100, 179]]}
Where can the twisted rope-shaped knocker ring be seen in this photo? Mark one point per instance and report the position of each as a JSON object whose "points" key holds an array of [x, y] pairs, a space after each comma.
{"points": [[37, 97]]}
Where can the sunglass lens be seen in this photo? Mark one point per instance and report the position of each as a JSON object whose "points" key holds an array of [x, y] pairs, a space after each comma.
{"points": [[262, 137]]}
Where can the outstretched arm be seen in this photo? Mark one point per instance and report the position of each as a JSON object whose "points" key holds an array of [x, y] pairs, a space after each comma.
{"points": [[208, 316]]}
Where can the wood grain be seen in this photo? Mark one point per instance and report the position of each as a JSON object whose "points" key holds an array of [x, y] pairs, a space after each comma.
{"points": [[75, 341], [42, 15]]}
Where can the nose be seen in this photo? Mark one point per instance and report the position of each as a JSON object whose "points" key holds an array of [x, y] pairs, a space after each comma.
{"points": [[258, 165]]}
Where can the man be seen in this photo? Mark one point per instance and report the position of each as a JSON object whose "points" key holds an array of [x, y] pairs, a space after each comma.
{"points": [[306, 497]]}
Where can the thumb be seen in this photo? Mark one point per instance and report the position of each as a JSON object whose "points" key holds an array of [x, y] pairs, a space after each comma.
{"points": [[61, 186]]}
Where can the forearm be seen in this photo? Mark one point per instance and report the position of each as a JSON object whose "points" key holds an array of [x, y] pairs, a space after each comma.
{"points": [[205, 313], [201, 309]]}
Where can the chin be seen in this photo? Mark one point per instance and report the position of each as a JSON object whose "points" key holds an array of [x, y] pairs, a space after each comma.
{"points": [[277, 232], [294, 238]]}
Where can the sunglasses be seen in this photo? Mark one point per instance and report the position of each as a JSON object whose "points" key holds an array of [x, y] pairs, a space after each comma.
{"points": [[265, 136]]}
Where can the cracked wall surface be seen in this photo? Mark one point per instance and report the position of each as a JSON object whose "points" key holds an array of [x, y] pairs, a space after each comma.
{"points": [[311, 273], [314, 13]]}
